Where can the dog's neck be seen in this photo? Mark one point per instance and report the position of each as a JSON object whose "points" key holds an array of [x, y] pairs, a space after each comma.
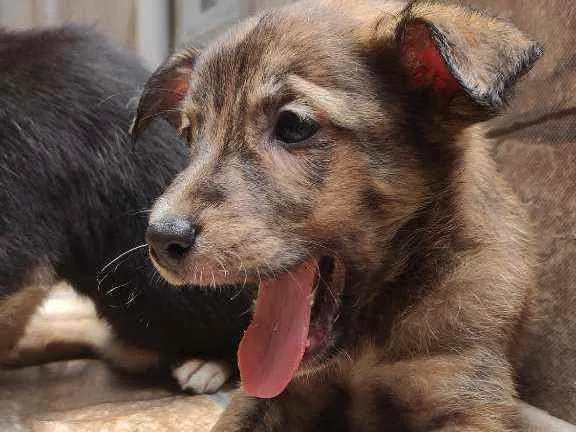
{"points": [[426, 247]]}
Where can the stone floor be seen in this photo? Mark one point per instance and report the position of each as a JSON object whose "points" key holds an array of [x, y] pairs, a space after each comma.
{"points": [[86, 396]]}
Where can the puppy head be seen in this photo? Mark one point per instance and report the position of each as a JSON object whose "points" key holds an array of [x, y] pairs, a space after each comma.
{"points": [[305, 157]]}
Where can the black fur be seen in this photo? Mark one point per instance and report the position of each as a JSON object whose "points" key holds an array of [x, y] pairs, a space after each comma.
{"points": [[75, 191]]}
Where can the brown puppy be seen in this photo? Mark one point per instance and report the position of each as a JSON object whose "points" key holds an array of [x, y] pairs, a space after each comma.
{"points": [[335, 161]]}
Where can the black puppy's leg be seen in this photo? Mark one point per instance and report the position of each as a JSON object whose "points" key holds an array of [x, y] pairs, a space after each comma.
{"points": [[120, 354], [66, 326], [18, 304], [200, 376], [194, 375]]}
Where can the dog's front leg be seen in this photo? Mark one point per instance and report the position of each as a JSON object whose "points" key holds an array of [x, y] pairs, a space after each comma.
{"points": [[467, 391], [243, 415], [316, 403]]}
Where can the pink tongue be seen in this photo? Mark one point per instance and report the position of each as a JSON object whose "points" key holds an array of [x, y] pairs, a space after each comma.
{"points": [[274, 344]]}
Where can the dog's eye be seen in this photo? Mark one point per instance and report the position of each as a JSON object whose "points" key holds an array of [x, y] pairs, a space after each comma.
{"points": [[186, 133], [292, 128]]}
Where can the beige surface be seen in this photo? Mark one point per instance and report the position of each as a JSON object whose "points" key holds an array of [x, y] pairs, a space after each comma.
{"points": [[85, 396], [160, 415]]}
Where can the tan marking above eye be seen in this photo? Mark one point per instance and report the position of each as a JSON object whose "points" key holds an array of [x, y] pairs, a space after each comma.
{"points": [[300, 109], [340, 107]]}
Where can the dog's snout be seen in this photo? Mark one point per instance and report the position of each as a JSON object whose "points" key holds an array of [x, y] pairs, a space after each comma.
{"points": [[171, 240]]}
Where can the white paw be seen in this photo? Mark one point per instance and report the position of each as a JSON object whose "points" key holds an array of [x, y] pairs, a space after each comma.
{"points": [[201, 376]]}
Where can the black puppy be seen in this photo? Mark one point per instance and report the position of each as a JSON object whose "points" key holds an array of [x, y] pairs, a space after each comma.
{"points": [[75, 194]]}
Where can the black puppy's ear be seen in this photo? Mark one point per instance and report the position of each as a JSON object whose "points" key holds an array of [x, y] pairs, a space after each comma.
{"points": [[449, 49], [164, 92]]}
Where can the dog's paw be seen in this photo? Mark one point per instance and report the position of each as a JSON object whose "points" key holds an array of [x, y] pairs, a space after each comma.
{"points": [[201, 376]]}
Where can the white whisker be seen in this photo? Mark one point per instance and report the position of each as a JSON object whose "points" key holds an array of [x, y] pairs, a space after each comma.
{"points": [[122, 255], [116, 288]]}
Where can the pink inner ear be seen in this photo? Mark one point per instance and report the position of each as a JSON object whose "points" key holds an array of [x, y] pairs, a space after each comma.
{"points": [[424, 62], [179, 90]]}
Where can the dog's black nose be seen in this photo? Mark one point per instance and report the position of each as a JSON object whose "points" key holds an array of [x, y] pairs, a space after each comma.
{"points": [[171, 239]]}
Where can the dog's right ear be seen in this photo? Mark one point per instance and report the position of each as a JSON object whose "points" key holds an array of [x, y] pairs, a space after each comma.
{"points": [[164, 92], [459, 55]]}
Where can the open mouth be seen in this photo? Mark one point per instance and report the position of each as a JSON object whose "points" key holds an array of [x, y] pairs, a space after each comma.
{"points": [[293, 321]]}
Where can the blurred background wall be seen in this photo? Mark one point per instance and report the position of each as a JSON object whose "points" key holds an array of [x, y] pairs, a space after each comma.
{"points": [[153, 28]]}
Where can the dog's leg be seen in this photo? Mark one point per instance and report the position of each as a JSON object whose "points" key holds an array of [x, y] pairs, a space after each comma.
{"points": [[202, 376], [247, 414], [194, 375], [16, 309], [67, 326], [300, 408], [471, 391]]}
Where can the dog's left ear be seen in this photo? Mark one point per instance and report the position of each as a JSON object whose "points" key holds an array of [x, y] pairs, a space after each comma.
{"points": [[450, 50], [164, 92]]}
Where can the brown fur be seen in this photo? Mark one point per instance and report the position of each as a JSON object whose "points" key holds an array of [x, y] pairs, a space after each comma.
{"points": [[398, 185], [16, 309]]}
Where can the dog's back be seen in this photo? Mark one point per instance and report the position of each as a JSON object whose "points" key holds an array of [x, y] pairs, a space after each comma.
{"points": [[76, 192], [65, 152]]}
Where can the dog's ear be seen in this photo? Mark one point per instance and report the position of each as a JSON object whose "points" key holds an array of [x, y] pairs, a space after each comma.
{"points": [[450, 50], [164, 92]]}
